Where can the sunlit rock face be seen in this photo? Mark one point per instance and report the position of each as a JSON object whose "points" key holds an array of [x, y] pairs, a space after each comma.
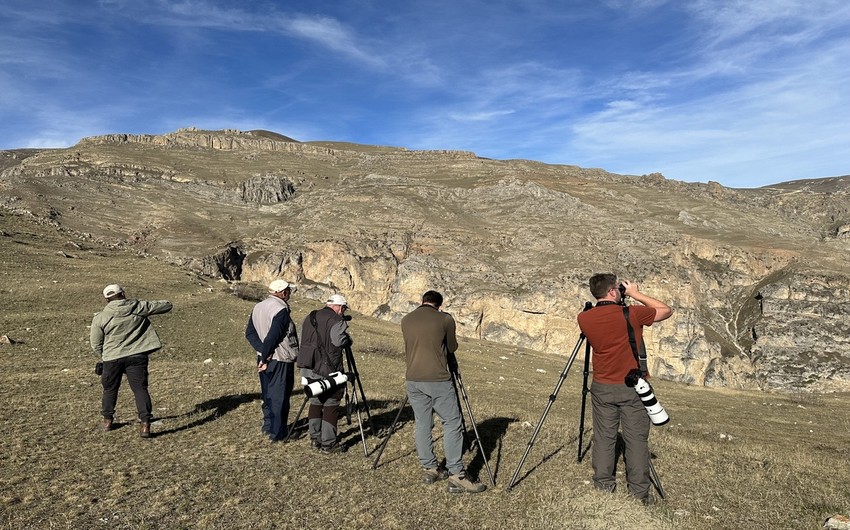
{"points": [[758, 278]]}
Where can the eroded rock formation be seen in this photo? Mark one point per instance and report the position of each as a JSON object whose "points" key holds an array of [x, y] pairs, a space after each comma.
{"points": [[758, 278]]}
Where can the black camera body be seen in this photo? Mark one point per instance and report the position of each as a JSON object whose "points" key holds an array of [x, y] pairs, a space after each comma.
{"points": [[633, 377]]}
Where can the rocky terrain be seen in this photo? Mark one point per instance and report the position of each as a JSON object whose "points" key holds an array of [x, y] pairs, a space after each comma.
{"points": [[758, 277]]}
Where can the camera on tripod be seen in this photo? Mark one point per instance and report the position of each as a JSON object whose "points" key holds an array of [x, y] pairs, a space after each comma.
{"points": [[657, 414], [334, 380]]}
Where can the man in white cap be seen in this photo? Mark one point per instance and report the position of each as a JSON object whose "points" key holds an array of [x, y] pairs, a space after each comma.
{"points": [[325, 337], [123, 338], [273, 335]]}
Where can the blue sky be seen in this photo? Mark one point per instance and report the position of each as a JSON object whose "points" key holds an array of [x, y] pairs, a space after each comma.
{"points": [[745, 93]]}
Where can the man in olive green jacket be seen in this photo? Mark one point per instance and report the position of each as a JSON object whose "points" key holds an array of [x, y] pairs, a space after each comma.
{"points": [[122, 336]]}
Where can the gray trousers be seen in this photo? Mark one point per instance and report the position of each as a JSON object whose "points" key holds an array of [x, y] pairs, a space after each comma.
{"points": [[323, 413], [618, 406], [426, 398]]}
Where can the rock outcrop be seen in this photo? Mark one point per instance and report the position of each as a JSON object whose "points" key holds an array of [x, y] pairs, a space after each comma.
{"points": [[758, 278]]}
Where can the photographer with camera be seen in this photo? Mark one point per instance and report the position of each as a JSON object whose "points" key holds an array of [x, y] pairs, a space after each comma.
{"points": [[123, 338], [614, 403], [324, 337], [430, 343], [273, 335]]}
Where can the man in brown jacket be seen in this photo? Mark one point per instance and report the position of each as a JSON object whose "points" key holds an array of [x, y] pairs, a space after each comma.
{"points": [[430, 343]]}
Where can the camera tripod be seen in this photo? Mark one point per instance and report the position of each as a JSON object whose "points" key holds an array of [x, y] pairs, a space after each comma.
{"points": [[350, 402], [654, 479], [457, 383]]}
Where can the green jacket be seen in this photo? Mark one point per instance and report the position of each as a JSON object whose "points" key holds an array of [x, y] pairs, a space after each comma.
{"points": [[123, 329]]}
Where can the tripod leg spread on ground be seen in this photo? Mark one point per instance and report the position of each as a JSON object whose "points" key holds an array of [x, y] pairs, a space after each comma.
{"points": [[552, 398], [389, 433], [656, 481], [584, 391], [295, 421], [360, 421], [456, 376], [358, 385]]}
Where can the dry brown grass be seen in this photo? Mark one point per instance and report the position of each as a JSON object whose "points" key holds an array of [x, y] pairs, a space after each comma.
{"points": [[727, 459]]}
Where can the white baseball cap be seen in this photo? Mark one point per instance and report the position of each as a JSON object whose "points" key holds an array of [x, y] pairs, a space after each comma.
{"points": [[112, 290], [280, 285], [337, 299]]}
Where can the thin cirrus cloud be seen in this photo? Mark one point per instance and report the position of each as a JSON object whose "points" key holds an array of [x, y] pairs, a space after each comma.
{"points": [[745, 93]]}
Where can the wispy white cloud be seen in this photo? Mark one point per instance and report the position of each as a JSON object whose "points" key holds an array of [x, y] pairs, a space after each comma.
{"points": [[691, 89]]}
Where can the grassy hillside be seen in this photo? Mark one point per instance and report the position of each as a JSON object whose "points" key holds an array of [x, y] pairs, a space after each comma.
{"points": [[727, 459]]}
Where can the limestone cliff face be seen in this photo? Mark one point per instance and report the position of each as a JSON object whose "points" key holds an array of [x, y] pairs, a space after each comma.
{"points": [[758, 278]]}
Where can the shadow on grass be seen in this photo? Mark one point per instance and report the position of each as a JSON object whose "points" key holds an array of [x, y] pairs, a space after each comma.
{"points": [[350, 421], [549, 456], [491, 432], [214, 409]]}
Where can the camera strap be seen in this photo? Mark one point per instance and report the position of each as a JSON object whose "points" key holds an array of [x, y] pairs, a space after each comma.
{"points": [[641, 359]]}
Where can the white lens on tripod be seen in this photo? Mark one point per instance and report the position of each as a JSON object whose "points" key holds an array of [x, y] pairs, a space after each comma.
{"points": [[334, 380]]}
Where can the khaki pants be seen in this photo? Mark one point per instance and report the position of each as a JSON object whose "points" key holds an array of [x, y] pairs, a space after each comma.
{"points": [[614, 407]]}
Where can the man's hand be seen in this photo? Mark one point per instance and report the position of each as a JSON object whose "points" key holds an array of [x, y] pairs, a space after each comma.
{"points": [[631, 288], [662, 310], [262, 366]]}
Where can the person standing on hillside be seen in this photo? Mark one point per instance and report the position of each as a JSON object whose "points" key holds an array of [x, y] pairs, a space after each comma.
{"points": [[325, 337], [272, 334], [122, 336], [430, 344], [615, 404]]}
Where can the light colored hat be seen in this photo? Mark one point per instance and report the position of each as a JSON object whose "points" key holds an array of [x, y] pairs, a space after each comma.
{"points": [[112, 290], [337, 299], [280, 285]]}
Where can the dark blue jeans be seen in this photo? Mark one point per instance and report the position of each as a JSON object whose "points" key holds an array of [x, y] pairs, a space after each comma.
{"points": [[276, 384], [136, 368]]}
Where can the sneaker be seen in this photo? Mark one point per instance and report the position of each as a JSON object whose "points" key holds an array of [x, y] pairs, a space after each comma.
{"points": [[315, 444], [461, 484], [431, 475]]}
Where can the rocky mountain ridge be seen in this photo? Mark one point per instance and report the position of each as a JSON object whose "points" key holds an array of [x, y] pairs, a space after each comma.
{"points": [[758, 277]]}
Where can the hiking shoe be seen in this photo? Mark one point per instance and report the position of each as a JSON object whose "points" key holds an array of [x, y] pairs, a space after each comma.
{"points": [[431, 475], [649, 500], [461, 484], [107, 424], [332, 449]]}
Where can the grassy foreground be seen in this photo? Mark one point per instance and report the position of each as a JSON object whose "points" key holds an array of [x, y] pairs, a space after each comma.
{"points": [[727, 459]]}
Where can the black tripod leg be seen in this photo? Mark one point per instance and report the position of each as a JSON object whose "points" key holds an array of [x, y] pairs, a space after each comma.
{"points": [[462, 420], [390, 433], [360, 424], [584, 391], [295, 422], [352, 367], [348, 407], [552, 398], [474, 428], [656, 481]]}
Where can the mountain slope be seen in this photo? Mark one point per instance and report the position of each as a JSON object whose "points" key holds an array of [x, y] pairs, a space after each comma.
{"points": [[758, 277]]}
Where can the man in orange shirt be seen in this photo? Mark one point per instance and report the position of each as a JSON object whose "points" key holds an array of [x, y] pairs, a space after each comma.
{"points": [[616, 405]]}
